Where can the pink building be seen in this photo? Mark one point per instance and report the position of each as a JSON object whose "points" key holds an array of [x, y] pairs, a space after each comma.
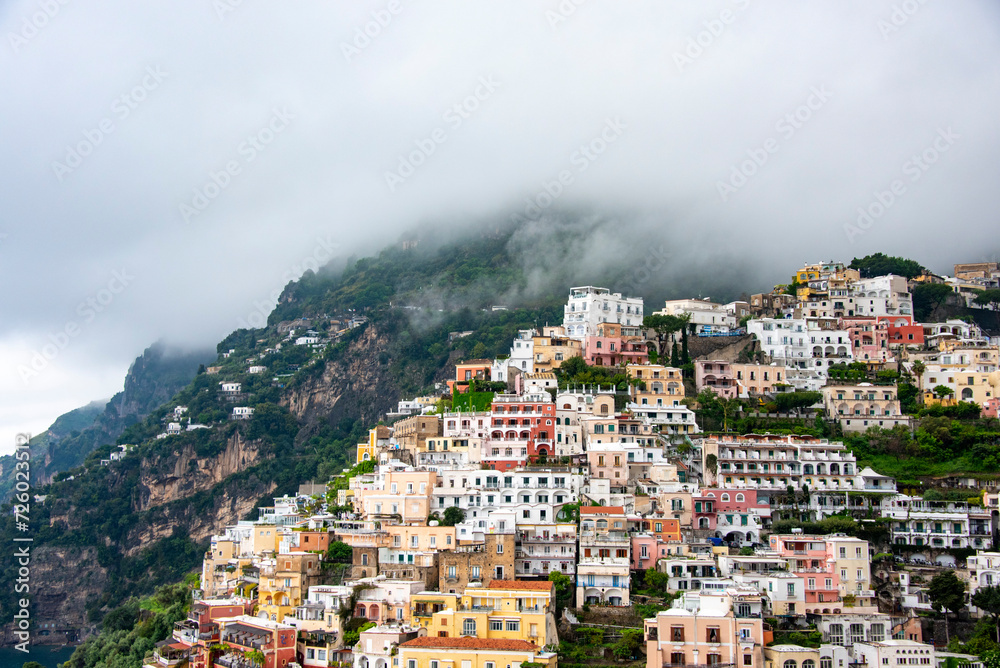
{"points": [[869, 337], [716, 375], [704, 516], [809, 558], [615, 344], [991, 408], [644, 551]]}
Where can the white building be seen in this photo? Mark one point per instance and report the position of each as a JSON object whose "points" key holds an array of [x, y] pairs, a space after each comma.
{"points": [[242, 412], [588, 306], [894, 653], [706, 316]]}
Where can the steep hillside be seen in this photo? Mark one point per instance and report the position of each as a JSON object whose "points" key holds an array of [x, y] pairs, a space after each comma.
{"points": [[145, 520], [152, 379]]}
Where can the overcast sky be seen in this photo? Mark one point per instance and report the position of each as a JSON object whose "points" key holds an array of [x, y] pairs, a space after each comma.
{"points": [[175, 163]]}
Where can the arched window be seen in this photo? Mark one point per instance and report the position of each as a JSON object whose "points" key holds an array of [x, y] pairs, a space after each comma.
{"points": [[725, 497], [739, 497], [808, 663], [469, 627], [791, 664]]}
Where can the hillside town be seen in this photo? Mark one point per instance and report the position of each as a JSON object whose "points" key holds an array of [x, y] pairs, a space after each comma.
{"points": [[524, 514]]}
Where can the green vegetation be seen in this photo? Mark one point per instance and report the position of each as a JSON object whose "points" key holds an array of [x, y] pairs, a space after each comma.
{"points": [[452, 515], [939, 446], [987, 599], [472, 401], [947, 594], [339, 553], [927, 297], [880, 264], [875, 532], [126, 638]]}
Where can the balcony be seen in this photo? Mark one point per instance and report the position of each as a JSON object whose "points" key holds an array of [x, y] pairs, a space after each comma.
{"points": [[169, 656], [235, 661]]}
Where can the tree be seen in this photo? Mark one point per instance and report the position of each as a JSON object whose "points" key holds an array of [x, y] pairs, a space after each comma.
{"points": [[947, 594], [880, 264], [729, 406], [453, 515], [564, 591], [990, 299], [987, 599], [918, 368], [339, 553], [942, 391], [664, 326], [787, 401], [927, 297]]}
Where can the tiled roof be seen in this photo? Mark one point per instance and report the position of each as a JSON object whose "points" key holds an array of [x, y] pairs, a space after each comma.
{"points": [[540, 585], [472, 643], [594, 510]]}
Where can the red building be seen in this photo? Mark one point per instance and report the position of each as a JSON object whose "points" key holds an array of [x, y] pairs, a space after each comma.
{"points": [[523, 429], [903, 331], [202, 627], [247, 634], [869, 338]]}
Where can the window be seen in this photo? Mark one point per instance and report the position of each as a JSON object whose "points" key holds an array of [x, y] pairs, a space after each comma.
{"points": [[452, 571], [836, 634], [412, 663], [748, 659], [808, 663], [791, 664], [825, 662], [677, 658], [676, 634], [469, 627], [513, 625], [496, 625], [856, 633], [712, 634]]}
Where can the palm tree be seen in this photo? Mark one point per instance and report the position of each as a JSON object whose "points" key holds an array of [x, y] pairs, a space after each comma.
{"points": [[918, 369]]}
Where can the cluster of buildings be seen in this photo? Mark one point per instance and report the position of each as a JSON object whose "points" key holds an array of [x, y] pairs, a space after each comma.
{"points": [[452, 541]]}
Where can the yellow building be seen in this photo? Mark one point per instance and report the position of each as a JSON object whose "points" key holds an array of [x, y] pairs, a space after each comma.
{"points": [[284, 583], [664, 384], [506, 610], [448, 652], [377, 436], [553, 348]]}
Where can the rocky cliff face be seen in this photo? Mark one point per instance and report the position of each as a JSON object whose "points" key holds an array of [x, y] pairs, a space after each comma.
{"points": [[169, 479], [357, 384], [154, 377]]}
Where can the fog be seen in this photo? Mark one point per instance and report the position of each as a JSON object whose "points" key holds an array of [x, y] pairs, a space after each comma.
{"points": [[170, 166]]}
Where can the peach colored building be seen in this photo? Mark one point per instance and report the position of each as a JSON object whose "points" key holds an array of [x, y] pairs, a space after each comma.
{"points": [[721, 628], [402, 494]]}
